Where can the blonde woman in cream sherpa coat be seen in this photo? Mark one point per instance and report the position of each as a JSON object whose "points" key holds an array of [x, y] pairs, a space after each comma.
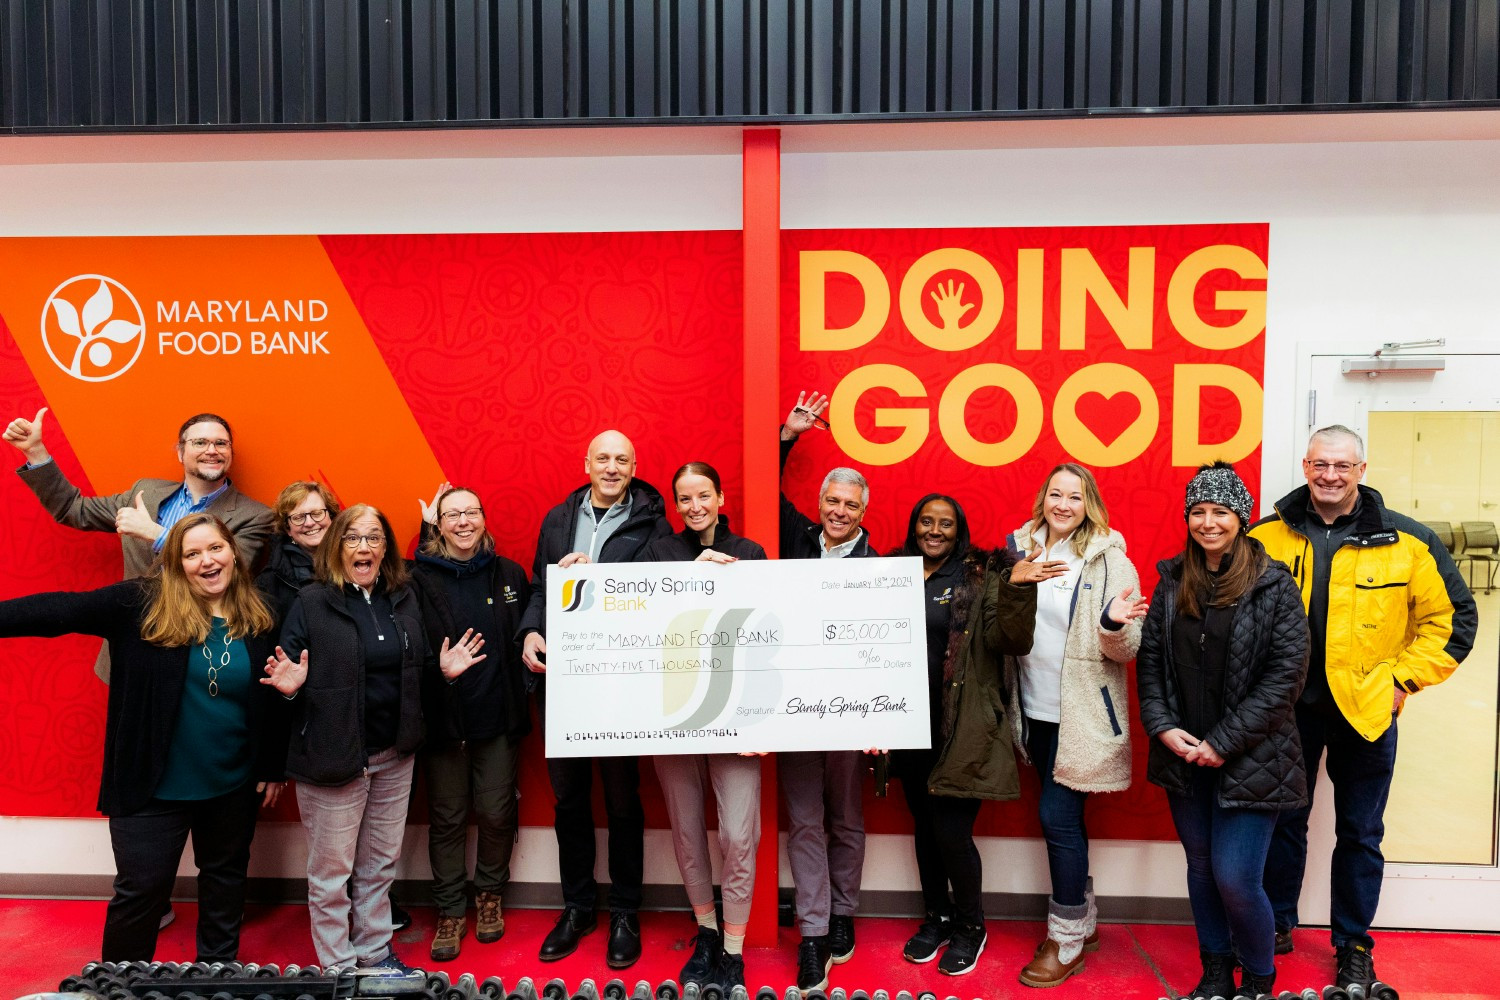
{"points": [[1068, 696]]}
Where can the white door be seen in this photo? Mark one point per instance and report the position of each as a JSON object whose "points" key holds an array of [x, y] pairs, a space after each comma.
{"points": [[1433, 443]]}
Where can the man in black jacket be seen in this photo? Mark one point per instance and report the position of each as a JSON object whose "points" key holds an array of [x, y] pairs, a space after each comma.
{"points": [[827, 859], [610, 519]]}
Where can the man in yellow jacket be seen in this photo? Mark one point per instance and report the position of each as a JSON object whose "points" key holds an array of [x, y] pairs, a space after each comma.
{"points": [[1389, 615]]}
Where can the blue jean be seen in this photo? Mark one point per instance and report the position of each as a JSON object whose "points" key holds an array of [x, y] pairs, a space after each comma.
{"points": [[1226, 857], [1061, 813], [1361, 774]]}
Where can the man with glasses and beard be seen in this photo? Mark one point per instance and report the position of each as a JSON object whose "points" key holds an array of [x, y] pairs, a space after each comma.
{"points": [[143, 514]]}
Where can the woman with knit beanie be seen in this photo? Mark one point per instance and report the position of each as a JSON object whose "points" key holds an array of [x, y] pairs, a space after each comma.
{"points": [[1222, 660]]}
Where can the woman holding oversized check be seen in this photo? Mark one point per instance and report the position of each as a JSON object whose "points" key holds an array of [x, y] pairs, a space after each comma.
{"points": [[980, 607], [717, 958]]}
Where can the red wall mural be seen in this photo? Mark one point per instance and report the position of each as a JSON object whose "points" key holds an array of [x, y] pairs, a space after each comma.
{"points": [[969, 361]]}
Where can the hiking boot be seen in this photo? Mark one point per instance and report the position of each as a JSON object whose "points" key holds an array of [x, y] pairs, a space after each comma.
{"points": [[450, 931], [708, 949], [1356, 966], [841, 938], [490, 927], [814, 959], [923, 946], [1218, 976], [964, 949]]}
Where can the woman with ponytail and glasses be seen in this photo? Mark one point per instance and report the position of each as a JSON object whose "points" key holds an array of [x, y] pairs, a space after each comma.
{"points": [[718, 956], [474, 723], [1222, 661], [192, 745]]}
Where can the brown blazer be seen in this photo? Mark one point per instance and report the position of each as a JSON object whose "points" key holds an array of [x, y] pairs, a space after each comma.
{"points": [[249, 521]]}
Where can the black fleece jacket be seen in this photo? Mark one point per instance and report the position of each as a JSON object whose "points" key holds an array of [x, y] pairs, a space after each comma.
{"points": [[288, 570], [145, 689], [328, 733], [488, 699]]}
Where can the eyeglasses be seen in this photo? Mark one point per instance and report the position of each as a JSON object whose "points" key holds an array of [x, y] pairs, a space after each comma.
{"points": [[200, 443], [452, 516], [311, 515], [1342, 468], [352, 541]]}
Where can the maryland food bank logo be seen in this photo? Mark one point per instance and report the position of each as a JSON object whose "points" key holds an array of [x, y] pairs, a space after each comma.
{"points": [[577, 595], [93, 328]]}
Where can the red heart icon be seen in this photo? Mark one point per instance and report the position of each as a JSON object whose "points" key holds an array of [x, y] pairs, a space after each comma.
{"points": [[1108, 416]]}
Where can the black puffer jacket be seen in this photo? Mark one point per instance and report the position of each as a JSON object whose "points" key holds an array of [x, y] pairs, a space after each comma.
{"points": [[289, 569], [495, 687], [327, 746], [1257, 736], [647, 521]]}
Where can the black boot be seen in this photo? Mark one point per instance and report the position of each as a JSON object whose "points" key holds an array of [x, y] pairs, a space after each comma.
{"points": [[1218, 976], [1252, 986]]}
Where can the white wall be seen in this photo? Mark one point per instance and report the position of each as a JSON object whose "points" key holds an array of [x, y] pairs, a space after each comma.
{"points": [[1383, 227]]}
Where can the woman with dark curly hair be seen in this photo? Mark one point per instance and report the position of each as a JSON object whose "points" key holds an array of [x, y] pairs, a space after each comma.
{"points": [[980, 607], [1223, 658]]}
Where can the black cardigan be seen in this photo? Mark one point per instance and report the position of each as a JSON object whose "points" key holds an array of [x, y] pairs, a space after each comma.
{"points": [[145, 688]]}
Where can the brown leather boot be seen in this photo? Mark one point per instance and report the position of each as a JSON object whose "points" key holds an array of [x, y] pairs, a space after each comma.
{"points": [[490, 926], [1046, 970], [450, 930]]}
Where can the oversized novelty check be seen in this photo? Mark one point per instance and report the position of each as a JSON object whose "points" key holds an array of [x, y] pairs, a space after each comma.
{"points": [[691, 657]]}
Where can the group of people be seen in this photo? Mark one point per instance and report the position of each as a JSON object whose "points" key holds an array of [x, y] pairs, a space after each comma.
{"points": [[331, 665]]}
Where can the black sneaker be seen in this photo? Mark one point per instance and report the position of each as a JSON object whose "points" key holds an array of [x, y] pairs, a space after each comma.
{"points": [[1284, 942], [813, 962], [708, 949], [923, 946], [1356, 966], [400, 919], [964, 949], [841, 938], [731, 971]]}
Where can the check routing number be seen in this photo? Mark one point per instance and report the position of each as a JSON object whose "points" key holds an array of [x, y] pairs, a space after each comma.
{"points": [[690, 657]]}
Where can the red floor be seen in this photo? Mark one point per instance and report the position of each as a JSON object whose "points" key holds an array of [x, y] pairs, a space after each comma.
{"points": [[41, 941]]}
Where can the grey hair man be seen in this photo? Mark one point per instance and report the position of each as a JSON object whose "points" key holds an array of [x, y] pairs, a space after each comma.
{"points": [[825, 812]]}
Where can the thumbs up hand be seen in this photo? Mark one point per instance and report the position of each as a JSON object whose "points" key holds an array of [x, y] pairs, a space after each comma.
{"points": [[26, 435], [137, 522]]}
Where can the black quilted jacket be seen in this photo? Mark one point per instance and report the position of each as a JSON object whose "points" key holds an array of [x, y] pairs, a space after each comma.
{"points": [[1257, 737]]}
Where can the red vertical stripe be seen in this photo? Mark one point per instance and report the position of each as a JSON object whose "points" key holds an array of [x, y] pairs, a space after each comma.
{"points": [[762, 399]]}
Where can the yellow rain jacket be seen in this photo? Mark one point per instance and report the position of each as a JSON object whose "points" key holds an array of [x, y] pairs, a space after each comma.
{"points": [[1398, 612]]}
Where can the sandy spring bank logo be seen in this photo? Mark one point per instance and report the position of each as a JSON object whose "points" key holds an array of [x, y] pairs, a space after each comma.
{"points": [[577, 595], [93, 328]]}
